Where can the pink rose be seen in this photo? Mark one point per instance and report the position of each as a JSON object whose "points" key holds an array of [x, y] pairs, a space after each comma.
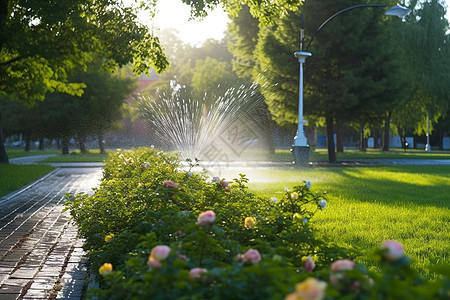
{"points": [[252, 256], [170, 183], [183, 257], [206, 218], [342, 265], [154, 263], [160, 252], [224, 183], [308, 263], [394, 251], [196, 273]]}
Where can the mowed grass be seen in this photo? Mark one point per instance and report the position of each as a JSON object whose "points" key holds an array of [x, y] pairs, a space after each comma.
{"points": [[14, 177], [93, 155], [19, 152], [321, 155], [76, 156], [368, 205]]}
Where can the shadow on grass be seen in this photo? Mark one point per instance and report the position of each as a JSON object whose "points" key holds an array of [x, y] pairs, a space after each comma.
{"points": [[400, 185]]}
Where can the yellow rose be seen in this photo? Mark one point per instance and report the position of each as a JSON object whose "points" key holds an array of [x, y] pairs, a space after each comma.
{"points": [[249, 222], [310, 289], [109, 237], [105, 269], [169, 169]]}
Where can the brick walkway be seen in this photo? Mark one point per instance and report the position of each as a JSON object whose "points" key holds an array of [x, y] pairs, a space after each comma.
{"points": [[40, 254]]}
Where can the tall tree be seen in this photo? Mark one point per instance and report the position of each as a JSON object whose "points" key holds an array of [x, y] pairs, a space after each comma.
{"points": [[429, 55], [105, 95], [94, 113], [43, 42], [243, 31]]}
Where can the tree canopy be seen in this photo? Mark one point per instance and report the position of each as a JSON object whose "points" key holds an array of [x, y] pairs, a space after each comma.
{"points": [[43, 42], [362, 68]]}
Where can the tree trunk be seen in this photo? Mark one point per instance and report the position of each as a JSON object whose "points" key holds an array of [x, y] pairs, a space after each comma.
{"points": [[101, 145], [81, 143], [3, 155], [41, 143], [65, 145], [330, 139], [269, 141], [27, 141], [376, 137], [402, 134], [340, 136], [387, 122], [362, 140]]}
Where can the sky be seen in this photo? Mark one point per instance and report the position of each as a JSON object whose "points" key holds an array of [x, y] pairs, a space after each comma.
{"points": [[175, 14]]}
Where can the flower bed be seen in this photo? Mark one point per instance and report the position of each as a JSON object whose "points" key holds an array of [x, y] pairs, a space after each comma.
{"points": [[155, 229]]}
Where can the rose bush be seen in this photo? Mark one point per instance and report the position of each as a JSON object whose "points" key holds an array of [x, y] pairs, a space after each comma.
{"points": [[173, 233]]}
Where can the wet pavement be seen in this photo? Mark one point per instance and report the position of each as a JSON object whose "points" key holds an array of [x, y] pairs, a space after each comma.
{"points": [[41, 256]]}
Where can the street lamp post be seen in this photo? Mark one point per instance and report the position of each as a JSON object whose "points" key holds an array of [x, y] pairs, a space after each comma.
{"points": [[428, 146], [300, 148]]}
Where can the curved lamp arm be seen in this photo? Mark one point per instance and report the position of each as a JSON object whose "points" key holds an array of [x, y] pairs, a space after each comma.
{"points": [[338, 13]]}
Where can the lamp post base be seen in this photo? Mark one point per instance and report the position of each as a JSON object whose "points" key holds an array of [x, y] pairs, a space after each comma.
{"points": [[301, 155]]}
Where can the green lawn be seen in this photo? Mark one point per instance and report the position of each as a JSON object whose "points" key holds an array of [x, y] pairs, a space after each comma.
{"points": [[74, 156], [322, 155], [368, 205], [13, 177], [19, 152], [92, 156]]}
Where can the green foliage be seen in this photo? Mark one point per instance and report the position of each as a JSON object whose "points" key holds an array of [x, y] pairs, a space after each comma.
{"points": [[204, 70], [244, 32], [211, 77], [427, 35], [63, 116], [43, 42], [148, 198], [265, 10]]}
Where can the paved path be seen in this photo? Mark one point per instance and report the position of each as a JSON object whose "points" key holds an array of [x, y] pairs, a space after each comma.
{"points": [[40, 254]]}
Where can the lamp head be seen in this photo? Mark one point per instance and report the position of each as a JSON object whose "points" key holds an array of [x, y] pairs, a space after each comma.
{"points": [[398, 11]]}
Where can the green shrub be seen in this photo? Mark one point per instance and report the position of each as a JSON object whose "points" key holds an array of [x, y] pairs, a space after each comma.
{"points": [[224, 242]]}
